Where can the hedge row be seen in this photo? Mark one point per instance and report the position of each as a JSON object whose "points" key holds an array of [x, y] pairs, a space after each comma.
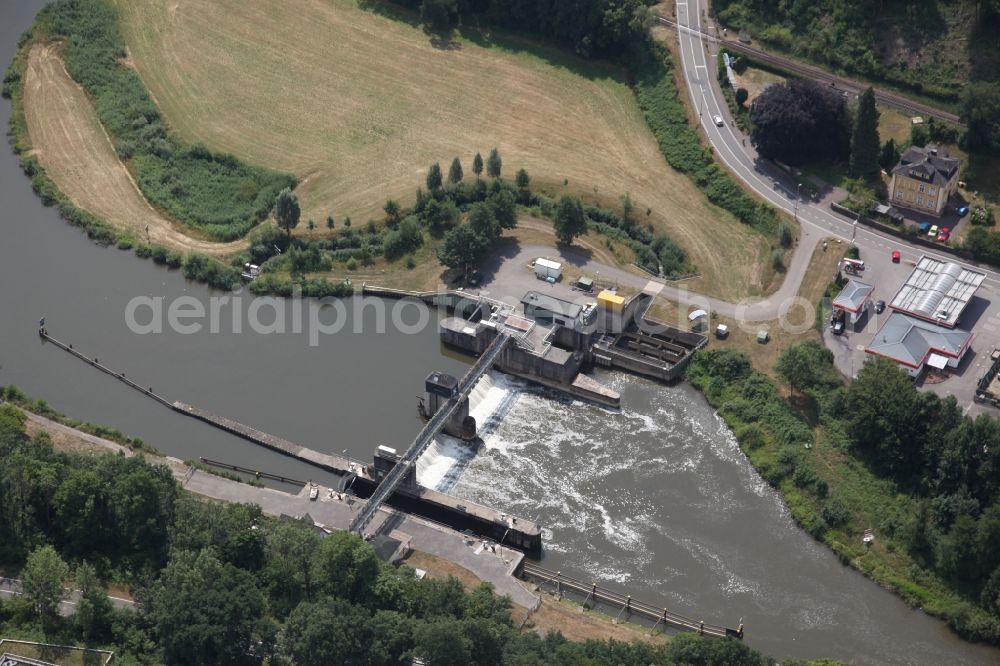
{"points": [[216, 193], [658, 98]]}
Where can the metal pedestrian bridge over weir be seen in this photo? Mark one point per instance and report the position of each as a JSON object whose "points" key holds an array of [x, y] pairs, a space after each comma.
{"points": [[431, 429]]}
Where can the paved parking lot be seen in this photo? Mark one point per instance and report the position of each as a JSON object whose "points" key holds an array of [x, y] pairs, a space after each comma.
{"points": [[982, 317]]}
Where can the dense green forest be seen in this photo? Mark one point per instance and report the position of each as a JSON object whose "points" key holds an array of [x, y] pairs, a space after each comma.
{"points": [[880, 455], [591, 27], [927, 46], [221, 584]]}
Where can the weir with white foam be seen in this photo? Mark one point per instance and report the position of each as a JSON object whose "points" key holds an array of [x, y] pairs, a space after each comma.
{"points": [[447, 457]]}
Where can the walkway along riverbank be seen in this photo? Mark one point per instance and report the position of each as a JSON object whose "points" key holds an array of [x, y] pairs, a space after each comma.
{"points": [[360, 479]]}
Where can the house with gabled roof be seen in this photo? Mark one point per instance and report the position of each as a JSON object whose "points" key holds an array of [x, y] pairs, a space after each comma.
{"points": [[924, 180]]}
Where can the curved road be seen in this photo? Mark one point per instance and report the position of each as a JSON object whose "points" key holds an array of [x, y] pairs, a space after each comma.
{"points": [[817, 222], [836, 81]]}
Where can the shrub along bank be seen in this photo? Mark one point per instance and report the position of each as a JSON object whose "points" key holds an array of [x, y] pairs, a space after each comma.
{"points": [[876, 454], [215, 193], [652, 69]]}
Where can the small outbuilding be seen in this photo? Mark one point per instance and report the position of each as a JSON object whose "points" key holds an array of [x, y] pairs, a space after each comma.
{"points": [[763, 336], [585, 283], [547, 269], [722, 331]]}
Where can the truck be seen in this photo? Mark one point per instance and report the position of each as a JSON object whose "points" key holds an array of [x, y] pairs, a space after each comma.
{"points": [[546, 269], [988, 387]]}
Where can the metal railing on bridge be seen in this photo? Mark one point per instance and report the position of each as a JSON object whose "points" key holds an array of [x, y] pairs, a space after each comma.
{"points": [[391, 482]]}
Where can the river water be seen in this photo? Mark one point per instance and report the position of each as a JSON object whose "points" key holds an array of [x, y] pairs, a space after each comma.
{"points": [[655, 499]]}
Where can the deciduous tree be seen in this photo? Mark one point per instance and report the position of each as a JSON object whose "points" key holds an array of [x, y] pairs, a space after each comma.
{"points": [[504, 209], [439, 15], [44, 577], [392, 212], [94, 609], [570, 221], [287, 211], [461, 248], [440, 215], [981, 113], [806, 365], [627, 205], [330, 631], [477, 165], [798, 121], [205, 612], [483, 222]]}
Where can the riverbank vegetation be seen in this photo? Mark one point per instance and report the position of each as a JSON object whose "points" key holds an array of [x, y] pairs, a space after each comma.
{"points": [[875, 454], [356, 140], [216, 193], [222, 584], [114, 205]]}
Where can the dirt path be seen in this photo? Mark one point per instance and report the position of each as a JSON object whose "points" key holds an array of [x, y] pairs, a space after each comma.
{"points": [[600, 253], [69, 141]]}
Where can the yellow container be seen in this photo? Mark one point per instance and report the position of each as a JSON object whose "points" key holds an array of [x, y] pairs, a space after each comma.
{"points": [[610, 301]]}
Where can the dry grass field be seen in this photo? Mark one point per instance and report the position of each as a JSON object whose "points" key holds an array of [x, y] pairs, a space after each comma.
{"points": [[69, 141], [358, 105]]}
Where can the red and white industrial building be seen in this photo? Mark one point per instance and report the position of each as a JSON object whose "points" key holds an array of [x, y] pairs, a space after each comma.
{"points": [[922, 330]]}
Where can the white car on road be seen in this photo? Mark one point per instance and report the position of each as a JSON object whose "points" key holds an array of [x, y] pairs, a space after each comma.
{"points": [[717, 120]]}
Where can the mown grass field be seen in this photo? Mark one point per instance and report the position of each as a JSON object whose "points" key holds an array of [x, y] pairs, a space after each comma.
{"points": [[358, 104], [68, 140]]}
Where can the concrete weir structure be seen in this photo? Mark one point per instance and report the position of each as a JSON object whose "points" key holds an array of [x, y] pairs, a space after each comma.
{"points": [[391, 478], [554, 341]]}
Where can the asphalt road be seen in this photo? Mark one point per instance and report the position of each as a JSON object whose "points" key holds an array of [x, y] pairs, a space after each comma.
{"points": [[10, 587], [698, 60], [837, 82]]}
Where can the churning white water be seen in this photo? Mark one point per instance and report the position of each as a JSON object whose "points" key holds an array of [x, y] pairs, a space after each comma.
{"points": [[658, 501], [447, 457]]}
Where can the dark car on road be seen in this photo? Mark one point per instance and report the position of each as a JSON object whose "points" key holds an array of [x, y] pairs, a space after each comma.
{"points": [[879, 307]]}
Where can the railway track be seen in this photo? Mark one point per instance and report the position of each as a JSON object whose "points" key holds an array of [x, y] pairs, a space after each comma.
{"points": [[819, 75]]}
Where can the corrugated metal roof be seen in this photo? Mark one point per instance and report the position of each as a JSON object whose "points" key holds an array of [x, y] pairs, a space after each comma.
{"points": [[937, 291]]}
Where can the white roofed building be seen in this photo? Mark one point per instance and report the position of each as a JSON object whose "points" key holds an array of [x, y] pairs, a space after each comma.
{"points": [[937, 291]]}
